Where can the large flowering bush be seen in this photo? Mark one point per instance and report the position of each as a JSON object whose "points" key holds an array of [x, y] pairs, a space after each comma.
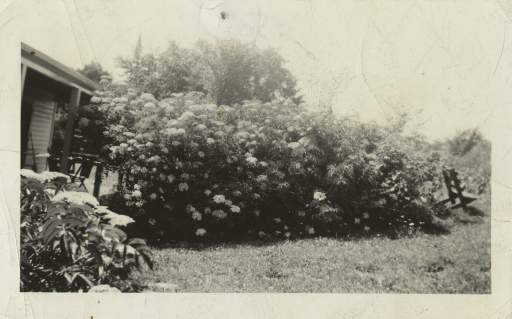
{"points": [[71, 243], [196, 170]]}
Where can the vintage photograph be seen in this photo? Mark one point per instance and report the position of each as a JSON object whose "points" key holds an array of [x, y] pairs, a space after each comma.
{"points": [[240, 147]]}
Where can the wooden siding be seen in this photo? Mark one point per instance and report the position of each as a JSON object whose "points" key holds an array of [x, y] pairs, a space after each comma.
{"points": [[40, 132]]}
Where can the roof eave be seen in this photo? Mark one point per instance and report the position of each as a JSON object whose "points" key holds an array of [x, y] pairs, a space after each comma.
{"points": [[54, 69]]}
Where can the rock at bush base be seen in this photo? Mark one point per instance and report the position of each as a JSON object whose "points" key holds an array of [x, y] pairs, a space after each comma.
{"points": [[104, 288], [162, 287]]}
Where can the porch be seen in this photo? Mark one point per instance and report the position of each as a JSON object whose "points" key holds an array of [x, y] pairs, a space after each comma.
{"points": [[51, 94]]}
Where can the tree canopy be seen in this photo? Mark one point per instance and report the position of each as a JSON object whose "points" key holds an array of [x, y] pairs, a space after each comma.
{"points": [[93, 71], [464, 141], [228, 71]]}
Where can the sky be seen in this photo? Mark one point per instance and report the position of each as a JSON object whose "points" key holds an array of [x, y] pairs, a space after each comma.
{"points": [[447, 63]]}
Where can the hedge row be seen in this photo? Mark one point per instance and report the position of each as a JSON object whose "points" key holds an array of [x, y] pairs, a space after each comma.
{"points": [[194, 170]]}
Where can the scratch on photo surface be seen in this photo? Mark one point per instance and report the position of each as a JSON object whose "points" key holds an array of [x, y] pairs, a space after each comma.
{"points": [[363, 73], [5, 17], [6, 6], [507, 11], [500, 55], [14, 252], [68, 14], [308, 53], [91, 48]]}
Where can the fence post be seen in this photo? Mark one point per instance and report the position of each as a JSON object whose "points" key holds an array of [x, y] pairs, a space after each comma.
{"points": [[97, 179], [119, 180], [74, 102]]}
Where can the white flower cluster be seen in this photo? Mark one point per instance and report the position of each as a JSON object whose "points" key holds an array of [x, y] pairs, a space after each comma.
{"points": [[78, 198]]}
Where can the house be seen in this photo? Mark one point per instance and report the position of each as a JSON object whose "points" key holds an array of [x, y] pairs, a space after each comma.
{"points": [[48, 88]]}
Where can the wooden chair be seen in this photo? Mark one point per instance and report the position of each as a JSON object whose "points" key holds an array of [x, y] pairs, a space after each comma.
{"points": [[456, 194], [80, 170]]}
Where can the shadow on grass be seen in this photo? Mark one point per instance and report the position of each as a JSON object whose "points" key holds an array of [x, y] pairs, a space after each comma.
{"points": [[439, 226], [199, 246], [474, 211], [270, 242], [469, 215]]}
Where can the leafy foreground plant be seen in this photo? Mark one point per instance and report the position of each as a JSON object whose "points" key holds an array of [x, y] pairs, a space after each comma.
{"points": [[71, 243]]}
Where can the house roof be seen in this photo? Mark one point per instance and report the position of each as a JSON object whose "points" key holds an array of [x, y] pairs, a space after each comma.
{"points": [[52, 68]]}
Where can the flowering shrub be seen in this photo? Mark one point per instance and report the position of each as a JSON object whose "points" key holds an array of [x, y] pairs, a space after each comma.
{"points": [[69, 242], [195, 170]]}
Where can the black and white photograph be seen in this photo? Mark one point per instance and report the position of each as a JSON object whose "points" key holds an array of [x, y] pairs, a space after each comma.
{"points": [[219, 146]]}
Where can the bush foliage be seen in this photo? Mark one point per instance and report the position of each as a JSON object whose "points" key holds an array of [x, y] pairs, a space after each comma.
{"points": [[193, 170], [70, 243]]}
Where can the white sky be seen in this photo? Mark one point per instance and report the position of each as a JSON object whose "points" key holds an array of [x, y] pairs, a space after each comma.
{"points": [[450, 59]]}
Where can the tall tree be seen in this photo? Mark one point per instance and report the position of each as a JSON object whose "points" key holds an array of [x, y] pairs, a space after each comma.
{"points": [[272, 79], [93, 71], [170, 71], [239, 71], [228, 71], [138, 49]]}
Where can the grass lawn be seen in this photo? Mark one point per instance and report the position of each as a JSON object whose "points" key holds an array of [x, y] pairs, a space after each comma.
{"points": [[458, 262]]}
